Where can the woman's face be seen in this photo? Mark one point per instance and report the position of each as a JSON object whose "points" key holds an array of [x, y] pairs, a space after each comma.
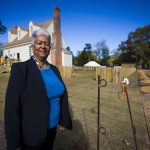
{"points": [[41, 47]]}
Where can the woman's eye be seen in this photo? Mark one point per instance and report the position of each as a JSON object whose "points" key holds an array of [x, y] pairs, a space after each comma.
{"points": [[39, 43]]}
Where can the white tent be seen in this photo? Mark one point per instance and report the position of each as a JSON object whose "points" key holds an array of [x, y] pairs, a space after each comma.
{"points": [[92, 64]]}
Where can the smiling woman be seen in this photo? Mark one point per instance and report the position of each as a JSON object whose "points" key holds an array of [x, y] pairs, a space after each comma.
{"points": [[41, 45], [36, 100]]}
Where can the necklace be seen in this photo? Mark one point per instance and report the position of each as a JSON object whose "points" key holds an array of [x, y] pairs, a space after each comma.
{"points": [[42, 65]]}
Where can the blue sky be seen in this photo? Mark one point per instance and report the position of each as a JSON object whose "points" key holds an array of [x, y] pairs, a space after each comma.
{"points": [[82, 21]]}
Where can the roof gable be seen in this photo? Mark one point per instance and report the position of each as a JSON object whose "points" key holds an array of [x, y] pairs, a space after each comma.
{"points": [[26, 38]]}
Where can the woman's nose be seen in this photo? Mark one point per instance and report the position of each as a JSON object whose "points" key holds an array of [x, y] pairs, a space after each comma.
{"points": [[43, 45]]}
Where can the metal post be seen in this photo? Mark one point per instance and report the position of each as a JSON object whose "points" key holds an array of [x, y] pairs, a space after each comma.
{"points": [[132, 125], [98, 113]]}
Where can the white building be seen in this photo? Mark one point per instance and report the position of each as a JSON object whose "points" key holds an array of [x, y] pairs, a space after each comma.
{"points": [[19, 42], [92, 64]]}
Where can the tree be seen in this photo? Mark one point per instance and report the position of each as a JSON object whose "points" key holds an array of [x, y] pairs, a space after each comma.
{"points": [[121, 47], [68, 49], [88, 47], [108, 61], [0, 49], [102, 49], [86, 55], [82, 58], [2, 28], [136, 49]]}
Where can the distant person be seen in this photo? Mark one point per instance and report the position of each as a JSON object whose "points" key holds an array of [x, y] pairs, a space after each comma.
{"points": [[6, 57], [36, 100], [124, 85], [140, 67], [125, 82]]}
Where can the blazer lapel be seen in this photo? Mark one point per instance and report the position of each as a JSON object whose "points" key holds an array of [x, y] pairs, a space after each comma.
{"points": [[37, 77]]}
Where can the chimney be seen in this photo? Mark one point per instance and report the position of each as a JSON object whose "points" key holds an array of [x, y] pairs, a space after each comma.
{"points": [[56, 53]]}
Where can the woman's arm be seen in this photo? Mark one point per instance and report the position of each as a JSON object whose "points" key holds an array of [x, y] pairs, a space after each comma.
{"points": [[12, 112]]}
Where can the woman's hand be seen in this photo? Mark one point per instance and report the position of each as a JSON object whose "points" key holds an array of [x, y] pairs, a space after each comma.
{"points": [[61, 129]]}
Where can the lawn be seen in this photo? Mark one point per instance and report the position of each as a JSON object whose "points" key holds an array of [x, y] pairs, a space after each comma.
{"points": [[147, 72], [114, 115]]}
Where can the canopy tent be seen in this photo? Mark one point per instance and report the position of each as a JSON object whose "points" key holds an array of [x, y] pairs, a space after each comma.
{"points": [[92, 64]]}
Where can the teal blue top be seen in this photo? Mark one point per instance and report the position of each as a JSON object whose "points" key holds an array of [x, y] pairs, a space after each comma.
{"points": [[54, 89]]}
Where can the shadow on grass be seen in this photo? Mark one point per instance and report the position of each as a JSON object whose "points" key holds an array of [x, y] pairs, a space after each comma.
{"points": [[75, 139]]}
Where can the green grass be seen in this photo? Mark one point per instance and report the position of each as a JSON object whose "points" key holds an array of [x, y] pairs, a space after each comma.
{"points": [[147, 72], [84, 74], [3, 84], [114, 115]]}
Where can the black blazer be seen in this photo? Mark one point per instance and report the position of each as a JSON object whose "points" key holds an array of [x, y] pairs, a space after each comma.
{"points": [[26, 106]]}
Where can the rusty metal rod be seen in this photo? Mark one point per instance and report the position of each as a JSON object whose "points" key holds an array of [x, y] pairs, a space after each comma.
{"points": [[132, 125], [145, 119], [98, 112]]}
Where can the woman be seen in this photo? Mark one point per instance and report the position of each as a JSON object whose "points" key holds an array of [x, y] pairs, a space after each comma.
{"points": [[36, 100]]}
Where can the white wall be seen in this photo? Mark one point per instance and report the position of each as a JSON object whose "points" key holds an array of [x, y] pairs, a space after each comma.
{"points": [[33, 28], [49, 59], [66, 59], [21, 33], [25, 54], [50, 29], [64, 45], [11, 36], [22, 50]]}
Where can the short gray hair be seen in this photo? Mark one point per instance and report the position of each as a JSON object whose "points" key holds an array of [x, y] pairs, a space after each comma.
{"points": [[40, 32]]}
